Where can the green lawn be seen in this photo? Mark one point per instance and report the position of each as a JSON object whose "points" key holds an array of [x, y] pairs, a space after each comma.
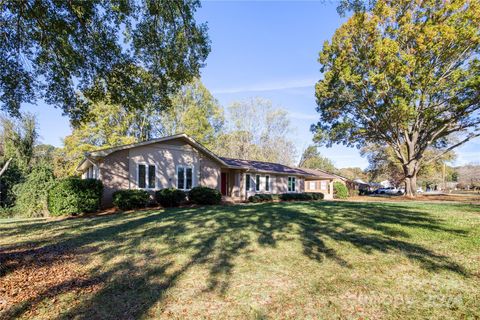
{"points": [[266, 261]]}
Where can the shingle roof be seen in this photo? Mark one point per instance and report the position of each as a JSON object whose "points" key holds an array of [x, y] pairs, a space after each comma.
{"points": [[263, 166], [320, 173]]}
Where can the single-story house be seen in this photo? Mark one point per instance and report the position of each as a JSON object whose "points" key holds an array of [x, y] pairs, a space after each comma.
{"points": [[179, 161]]}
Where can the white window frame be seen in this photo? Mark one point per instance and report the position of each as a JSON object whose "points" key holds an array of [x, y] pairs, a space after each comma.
{"points": [[147, 165], [185, 167], [310, 183], [258, 182], [323, 183], [269, 184], [294, 184]]}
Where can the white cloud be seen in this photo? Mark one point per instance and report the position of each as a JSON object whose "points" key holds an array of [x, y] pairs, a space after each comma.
{"points": [[269, 86]]}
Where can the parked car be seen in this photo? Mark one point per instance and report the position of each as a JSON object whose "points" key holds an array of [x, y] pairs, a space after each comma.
{"points": [[419, 190], [390, 190]]}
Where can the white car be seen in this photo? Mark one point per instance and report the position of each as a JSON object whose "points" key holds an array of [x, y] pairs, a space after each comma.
{"points": [[419, 190], [390, 190]]}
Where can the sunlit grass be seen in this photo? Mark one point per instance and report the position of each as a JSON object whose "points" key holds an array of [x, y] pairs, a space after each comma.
{"points": [[281, 260]]}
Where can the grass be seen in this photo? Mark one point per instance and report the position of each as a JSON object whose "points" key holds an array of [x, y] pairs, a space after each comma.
{"points": [[264, 261]]}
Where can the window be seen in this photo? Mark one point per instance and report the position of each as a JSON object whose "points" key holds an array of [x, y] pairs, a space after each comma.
{"points": [[257, 183], [184, 178], [247, 182], [267, 183], [323, 185], [312, 185], [146, 176], [91, 173], [291, 184], [151, 177], [189, 178]]}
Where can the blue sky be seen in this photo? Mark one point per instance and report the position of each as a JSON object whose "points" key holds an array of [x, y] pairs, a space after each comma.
{"points": [[263, 49]]}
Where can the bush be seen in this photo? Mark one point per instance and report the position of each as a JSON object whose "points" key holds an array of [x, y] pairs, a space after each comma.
{"points": [[263, 197], [340, 191], [205, 195], [308, 196], [170, 197], [74, 196], [32, 195], [130, 199]]}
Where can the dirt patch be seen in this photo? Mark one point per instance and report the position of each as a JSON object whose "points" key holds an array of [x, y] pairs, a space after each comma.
{"points": [[32, 276]]}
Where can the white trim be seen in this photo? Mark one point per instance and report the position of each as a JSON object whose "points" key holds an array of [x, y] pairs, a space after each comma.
{"points": [[185, 167], [147, 165]]}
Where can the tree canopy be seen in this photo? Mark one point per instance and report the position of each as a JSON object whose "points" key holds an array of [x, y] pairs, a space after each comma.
{"points": [[313, 159], [405, 74], [76, 53], [256, 130]]}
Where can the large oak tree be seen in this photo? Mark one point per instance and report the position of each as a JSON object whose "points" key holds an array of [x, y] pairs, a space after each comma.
{"points": [[75, 53], [405, 74]]}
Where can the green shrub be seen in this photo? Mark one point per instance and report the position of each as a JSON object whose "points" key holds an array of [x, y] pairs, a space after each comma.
{"points": [[340, 191], [130, 199], [205, 195], [262, 197], [307, 196], [170, 197], [74, 196], [32, 195]]}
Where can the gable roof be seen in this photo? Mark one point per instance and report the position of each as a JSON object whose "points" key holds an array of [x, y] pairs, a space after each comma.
{"points": [[101, 153], [262, 166]]}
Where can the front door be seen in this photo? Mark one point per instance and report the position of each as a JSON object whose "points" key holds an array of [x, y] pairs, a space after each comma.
{"points": [[223, 183]]}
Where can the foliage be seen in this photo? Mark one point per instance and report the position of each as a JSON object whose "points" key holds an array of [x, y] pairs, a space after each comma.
{"points": [[404, 74], [262, 197], [353, 173], [12, 176], [72, 196], [194, 112], [204, 195], [340, 191], [170, 197], [313, 159], [32, 195], [19, 137], [306, 196], [135, 52], [257, 131], [130, 199]]}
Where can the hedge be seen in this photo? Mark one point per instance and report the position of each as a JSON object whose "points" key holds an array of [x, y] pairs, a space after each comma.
{"points": [[170, 197], [340, 191], [74, 196], [307, 196], [130, 199], [204, 195]]}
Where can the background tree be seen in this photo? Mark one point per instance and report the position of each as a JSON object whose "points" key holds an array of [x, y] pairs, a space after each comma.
{"points": [[353, 173], [257, 131], [194, 111], [75, 53], [383, 165], [313, 159], [405, 74], [18, 138]]}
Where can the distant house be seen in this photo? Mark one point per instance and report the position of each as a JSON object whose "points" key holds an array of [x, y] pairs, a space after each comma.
{"points": [[180, 162]]}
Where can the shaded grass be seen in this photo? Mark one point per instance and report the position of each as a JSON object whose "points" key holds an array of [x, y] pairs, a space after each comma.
{"points": [[276, 260]]}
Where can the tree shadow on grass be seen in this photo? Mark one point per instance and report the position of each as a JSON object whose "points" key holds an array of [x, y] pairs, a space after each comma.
{"points": [[144, 254]]}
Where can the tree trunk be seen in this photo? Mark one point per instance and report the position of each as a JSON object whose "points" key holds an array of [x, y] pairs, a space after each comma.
{"points": [[411, 171]]}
